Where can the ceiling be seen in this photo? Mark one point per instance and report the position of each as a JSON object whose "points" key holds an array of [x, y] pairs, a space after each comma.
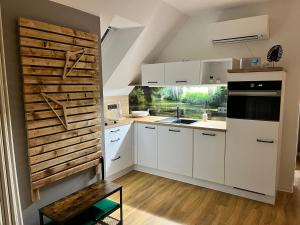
{"points": [[191, 7]]}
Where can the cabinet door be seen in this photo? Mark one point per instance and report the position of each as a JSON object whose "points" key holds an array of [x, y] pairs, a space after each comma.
{"points": [[209, 155], [182, 73], [175, 150], [251, 155], [153, 74], [147, 145], [118, 149]]}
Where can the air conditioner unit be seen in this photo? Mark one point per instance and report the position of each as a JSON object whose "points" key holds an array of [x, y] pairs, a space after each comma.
{"points": [[245, 29]]}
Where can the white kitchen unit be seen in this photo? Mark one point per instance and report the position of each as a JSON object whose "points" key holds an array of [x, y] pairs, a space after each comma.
{"points": [[214, 71], [175, 150], [153, 74], [147, 145], [252, 155], [182, 73], [118, 149], [209, 155]]}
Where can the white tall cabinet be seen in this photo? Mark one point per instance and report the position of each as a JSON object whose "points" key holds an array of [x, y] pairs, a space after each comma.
{"points": [[175, 150], [209, 155]]}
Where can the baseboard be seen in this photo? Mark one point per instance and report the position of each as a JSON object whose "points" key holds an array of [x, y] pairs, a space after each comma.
{"points": [[119, 174], [206, 184]]}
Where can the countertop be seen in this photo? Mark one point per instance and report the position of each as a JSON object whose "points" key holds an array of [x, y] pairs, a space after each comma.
{"points": [[209, 125]]}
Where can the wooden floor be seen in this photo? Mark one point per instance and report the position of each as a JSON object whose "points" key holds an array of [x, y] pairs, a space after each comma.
{"points": [[152, 200]]}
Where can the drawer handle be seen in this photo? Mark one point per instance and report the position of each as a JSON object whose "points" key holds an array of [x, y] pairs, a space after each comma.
{"points": [[151, 128], [114, 131], [265, 141], [112, 141], [177, 131], [207, 134], [152, 82], [181, 81], [115, 159]]}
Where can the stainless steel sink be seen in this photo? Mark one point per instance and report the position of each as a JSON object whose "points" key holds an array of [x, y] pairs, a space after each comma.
{"points": [[178, 121]]}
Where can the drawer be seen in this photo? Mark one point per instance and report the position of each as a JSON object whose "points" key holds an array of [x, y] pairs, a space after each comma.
{"points": [[119, 162], [117, 132]]}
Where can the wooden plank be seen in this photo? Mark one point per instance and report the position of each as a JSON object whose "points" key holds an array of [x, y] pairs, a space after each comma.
{"points": [[62, 136], [30, 42], [24, 22], [63, 174], [52, 122], [256, 69], [64, 166], [69, 104], [62, 159], [32, 61], [50, 114], [28, 98], [44, 71], [64, 143], [59, 80], [60, 128], [32, 33], [54, 54], [59, 88], [61, 152]]}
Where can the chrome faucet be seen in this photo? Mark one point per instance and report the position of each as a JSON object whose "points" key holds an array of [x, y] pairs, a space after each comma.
{"points": [[177, 112]]}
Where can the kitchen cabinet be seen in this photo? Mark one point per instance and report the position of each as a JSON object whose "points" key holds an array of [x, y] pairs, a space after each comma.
{"points": [[209, 155], [147, 145], [118, 149], [153, 74], [175, 150], [182, 73], [251, 155]]}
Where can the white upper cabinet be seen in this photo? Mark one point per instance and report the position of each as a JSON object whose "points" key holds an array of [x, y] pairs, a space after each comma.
{"points": [[153, 74], [175, 150], [147, 145], [182, 73], [209, 155]]}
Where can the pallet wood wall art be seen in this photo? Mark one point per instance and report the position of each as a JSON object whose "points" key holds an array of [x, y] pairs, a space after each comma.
{"points": [[61, 99]]}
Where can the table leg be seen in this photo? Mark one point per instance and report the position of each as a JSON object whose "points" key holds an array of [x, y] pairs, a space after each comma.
{"points": [[102, 168], [41, 218], [121, 207]]}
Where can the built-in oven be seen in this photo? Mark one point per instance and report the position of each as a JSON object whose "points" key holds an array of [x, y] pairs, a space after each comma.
{"points": [[254, 100]]}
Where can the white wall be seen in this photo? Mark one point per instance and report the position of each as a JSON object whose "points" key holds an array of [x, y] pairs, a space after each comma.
{"points": [[192, 42]]}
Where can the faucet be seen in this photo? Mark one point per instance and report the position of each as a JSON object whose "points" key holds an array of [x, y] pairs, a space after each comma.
{"points": [[177, 112]]}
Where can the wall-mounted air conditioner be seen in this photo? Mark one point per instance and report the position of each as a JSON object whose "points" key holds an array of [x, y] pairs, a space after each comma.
{"points": [[245, 29]]}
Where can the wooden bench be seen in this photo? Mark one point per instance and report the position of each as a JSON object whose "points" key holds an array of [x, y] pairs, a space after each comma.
{"points": [[85, 207]]}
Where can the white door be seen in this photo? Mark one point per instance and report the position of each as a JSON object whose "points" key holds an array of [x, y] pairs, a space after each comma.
{"points": [[175, 150], [251, 155], [209, 155], [147, 145], [153, 74], [182, 73]]}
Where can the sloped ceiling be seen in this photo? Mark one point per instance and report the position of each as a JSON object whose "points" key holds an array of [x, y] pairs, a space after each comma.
{"points": [[160, 22]]}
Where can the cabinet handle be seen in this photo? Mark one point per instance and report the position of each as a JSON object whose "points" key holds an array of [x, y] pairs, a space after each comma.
{"points": [[115, 159], [114, 131], [181, 81], [152, 82], [151, 128], [112, 141], [207, 134], [264, 141], [177, 131]]}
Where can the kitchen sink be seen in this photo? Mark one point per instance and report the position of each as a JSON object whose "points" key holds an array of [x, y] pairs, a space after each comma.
{"points": [[178, 121]]}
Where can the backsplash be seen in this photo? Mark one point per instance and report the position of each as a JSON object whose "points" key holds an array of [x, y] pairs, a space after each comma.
{"points": [[122, 101], [193, 101]]}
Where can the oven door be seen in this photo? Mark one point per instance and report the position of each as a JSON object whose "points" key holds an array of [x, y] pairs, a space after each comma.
{"points": [[254, 105]]}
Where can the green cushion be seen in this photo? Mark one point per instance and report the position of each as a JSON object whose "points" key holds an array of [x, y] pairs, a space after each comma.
{"points": [[104, 206]]}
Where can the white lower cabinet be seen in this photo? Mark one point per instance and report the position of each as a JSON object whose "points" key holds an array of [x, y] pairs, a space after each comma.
{"points": [[209, 155], [175, 150], [251, 155], [147, 145], [118, 149]]}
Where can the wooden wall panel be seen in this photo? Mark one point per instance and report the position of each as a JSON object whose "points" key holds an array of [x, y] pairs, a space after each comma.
{"points": [[61, 100]]}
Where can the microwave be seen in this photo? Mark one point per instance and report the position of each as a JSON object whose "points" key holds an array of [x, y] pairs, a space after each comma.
{"points": [[254, 100]]}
